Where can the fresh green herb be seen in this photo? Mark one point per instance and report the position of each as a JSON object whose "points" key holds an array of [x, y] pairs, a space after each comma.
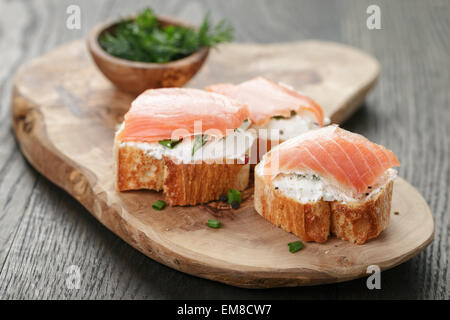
{"points": [[315, 177], [295, 246], [199, 141], [143, 39], [158, 205], [168, 143], [234, 195], [213, 223]]}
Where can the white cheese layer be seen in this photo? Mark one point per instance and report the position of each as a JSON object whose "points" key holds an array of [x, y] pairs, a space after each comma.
{"points": [[233, 147], [289, 127], [307, 187]]}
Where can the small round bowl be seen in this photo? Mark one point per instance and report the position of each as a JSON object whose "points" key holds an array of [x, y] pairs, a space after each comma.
{"points": [[135, 77]]}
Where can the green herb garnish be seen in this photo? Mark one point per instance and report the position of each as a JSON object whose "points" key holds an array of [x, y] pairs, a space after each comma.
{"points": [[295, 246], [199, 141], [213, 223], [168, 143], [159, 205], [144, 39], [234, 195]]}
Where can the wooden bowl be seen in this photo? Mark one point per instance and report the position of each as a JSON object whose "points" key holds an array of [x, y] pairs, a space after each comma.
{"points": [[135, 77]]}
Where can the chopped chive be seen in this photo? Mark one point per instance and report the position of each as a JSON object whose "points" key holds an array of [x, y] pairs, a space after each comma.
{"points": [[213, 223], [168, 143], [158, 205], [199, 141], [234, 195], [295, 246]]}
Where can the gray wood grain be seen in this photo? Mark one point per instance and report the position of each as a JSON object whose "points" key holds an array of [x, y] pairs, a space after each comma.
{"points": [[43, 230]]}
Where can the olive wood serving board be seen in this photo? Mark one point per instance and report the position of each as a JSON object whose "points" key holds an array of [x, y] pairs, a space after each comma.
{"points": [[64, 116]]}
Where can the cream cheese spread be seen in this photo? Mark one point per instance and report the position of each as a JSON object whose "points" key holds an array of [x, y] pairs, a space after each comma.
{"points": [[232, 148], [307, 187]]}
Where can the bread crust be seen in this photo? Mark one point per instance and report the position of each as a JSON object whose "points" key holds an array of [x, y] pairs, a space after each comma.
{"points": [[182, 184], [360, 221], [356, 221], [190, 184], [135, 170], [310, 221]]}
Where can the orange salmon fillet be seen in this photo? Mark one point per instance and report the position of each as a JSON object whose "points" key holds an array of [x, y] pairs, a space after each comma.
{"points": [[266, 99], [172, 113], [348, 158]]}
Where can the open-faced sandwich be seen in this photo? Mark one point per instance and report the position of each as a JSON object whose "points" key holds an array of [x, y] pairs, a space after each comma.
{"points": [[281, 111], [327, 180], [187, 142]]}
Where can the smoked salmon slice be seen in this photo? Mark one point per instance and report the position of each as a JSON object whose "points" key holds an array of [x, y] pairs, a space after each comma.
{"points": [[266, 99], [349, 159], [173, 113]]}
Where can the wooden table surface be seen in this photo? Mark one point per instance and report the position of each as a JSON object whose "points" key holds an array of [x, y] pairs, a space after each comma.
{"points": [[43, 231]]}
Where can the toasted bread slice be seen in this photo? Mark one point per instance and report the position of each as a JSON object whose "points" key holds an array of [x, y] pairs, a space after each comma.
{"points": [[355, 221], [182, 183]]}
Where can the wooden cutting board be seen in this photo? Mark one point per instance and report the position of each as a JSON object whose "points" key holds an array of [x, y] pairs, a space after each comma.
{"points": [[64, 115]]}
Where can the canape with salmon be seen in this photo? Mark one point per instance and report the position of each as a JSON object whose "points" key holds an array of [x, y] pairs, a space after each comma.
{"points": [[278, 109], [327, 180], [188, 143]]}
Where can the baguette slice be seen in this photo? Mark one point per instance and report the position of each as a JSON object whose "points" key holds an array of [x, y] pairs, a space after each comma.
{"points": [[356, 221], [181, 183]]}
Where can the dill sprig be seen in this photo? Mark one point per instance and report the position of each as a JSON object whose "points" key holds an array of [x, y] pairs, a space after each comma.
{"points": [[143, 39]]}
